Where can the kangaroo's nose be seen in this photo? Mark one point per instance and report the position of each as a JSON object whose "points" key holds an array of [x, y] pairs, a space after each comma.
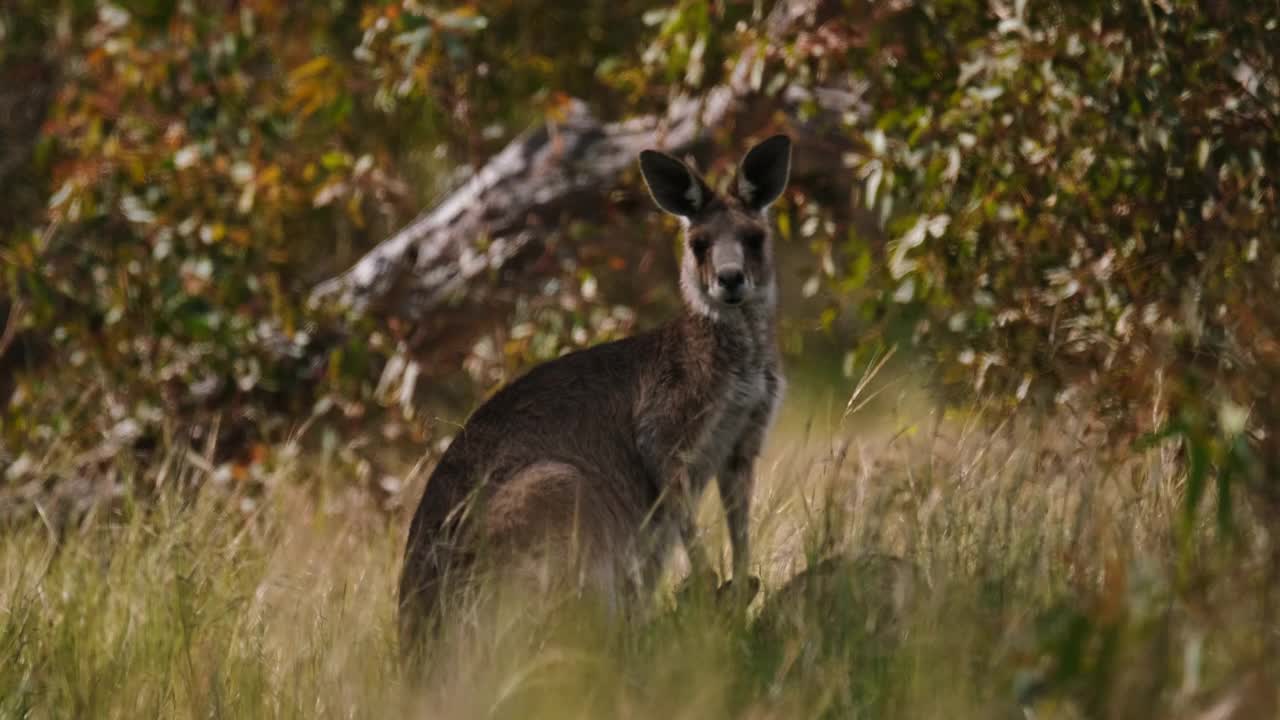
{"points": [[731, 279]]}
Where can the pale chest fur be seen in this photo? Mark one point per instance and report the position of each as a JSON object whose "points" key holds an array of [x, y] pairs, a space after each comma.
{"points": [[743, 407], [741, 398], [692, 415]]}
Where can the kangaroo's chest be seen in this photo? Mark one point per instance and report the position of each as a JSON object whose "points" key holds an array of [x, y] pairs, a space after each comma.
{"points": [[743, 402]]}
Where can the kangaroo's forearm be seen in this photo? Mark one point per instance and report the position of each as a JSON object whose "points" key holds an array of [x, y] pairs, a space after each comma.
{"points": [[699, 561], [681, 494], [735, 492]]}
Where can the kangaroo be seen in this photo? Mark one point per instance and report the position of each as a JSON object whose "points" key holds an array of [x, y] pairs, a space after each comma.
{"points": [[595, 461]]}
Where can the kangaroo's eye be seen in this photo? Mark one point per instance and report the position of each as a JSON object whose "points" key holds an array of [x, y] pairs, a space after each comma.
{"points": [[699, 245], [754, 239]]}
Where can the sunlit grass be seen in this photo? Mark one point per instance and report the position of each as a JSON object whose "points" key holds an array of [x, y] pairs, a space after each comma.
{"points": [[978, 572]]}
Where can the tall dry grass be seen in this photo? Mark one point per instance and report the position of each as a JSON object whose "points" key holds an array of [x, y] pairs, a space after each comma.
{"points": [[914, 566]]}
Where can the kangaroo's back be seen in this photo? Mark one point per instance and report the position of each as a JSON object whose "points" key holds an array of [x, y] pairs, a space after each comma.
{"points": [[591, 464]]}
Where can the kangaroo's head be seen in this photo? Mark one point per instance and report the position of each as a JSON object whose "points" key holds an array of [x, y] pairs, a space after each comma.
{"points": [[728, 248]]}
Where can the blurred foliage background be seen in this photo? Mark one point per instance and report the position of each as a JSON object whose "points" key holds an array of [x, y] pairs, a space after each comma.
{"points": [[1061, 205]]}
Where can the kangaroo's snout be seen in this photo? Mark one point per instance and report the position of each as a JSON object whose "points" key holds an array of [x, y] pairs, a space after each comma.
{"points": [[731, 281], [731, 278]]}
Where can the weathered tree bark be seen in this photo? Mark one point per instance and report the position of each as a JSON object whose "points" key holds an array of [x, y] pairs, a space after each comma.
{"points": [[566, 167]]}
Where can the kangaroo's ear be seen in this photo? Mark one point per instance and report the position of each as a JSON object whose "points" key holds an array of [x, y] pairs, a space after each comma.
{"points": [[764, 171], [674, 186]]}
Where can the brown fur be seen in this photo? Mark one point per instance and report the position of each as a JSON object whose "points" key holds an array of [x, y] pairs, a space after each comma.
{"points": [[594, 462]]}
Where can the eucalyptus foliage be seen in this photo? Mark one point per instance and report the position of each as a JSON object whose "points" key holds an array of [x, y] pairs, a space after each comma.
{"points": [[1075, 203]]}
